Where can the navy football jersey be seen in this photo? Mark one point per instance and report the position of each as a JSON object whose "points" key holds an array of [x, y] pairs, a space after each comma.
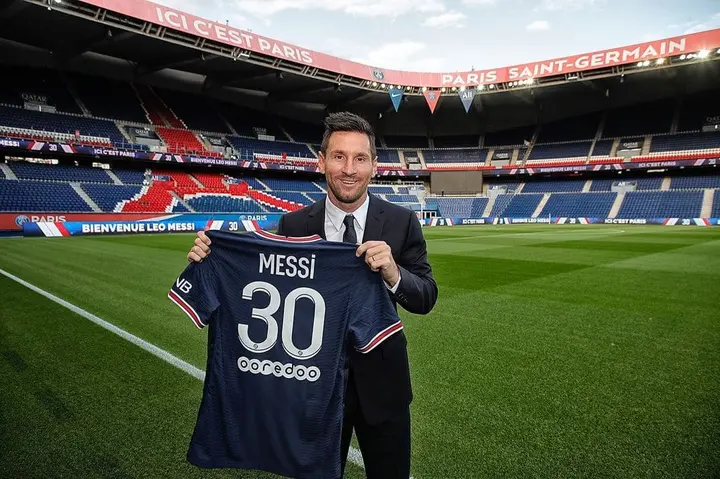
{"points": [[280, 314]]}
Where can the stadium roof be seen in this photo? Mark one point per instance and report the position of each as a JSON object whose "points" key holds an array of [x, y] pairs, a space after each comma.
{"points": [[144, 42]]}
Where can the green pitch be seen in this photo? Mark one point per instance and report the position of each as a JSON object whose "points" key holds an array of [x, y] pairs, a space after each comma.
{"points": [[554, 351]]}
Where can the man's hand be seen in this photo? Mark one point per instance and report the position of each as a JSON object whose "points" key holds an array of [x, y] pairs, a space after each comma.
{"points": [[379, 257], [201, 249]]}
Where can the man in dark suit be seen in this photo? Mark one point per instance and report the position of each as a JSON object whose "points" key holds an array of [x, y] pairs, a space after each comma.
{"points": [[377, 403]]}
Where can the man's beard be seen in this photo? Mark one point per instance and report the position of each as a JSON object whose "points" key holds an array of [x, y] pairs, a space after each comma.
{"points": [[346, 199]]}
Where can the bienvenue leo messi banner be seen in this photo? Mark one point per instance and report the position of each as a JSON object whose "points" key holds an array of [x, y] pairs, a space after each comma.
{"points": [[180, 223], [570, 221]]}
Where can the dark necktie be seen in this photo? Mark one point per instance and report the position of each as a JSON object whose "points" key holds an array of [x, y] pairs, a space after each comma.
{"points": [[349, 236]]}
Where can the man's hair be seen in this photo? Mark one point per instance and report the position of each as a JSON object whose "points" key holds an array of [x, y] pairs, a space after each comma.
{"points": [[350, 122]]}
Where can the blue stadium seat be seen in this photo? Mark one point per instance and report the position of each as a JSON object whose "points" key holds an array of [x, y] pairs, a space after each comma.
{"points": [[522, 206], [388, 156], [687, 141], [716, 205], [381, 190], [316, 196], [602, 148], [450, 207], [695, 182], [130, 177], [108, 196], [501, 203], [224, 204], [59, 123], [591, 205], [474, 155], [24, 195], [402, 198], [282, 184], [561, 186], [247, 146], [295, 197], [36, 171], [106, 98], [661, 204]]}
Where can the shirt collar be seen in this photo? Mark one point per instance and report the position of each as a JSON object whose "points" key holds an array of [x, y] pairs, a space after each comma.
{"points": [[337, 216]]}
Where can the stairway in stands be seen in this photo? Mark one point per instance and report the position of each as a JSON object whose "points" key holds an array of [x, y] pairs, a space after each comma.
{"points": [[169, 127]]}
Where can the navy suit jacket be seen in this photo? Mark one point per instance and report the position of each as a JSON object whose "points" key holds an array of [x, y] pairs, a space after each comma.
{"points": [[382, 376]]}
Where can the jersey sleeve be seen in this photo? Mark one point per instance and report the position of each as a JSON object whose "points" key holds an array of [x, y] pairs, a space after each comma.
{"points": [[194, 291], [373, 318]]}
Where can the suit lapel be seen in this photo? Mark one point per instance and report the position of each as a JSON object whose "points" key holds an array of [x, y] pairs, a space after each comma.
{"points": [[316, 219], [375, 220]]}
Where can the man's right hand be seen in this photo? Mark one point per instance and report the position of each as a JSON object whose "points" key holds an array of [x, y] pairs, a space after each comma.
{"points": [[201, 248]]}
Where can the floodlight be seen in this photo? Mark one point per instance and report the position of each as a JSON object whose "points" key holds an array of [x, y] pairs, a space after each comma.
{"points": [[703, 53], [660, 61]]}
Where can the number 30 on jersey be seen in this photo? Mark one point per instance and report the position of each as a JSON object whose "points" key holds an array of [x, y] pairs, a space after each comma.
{"points": [[268, 313]]}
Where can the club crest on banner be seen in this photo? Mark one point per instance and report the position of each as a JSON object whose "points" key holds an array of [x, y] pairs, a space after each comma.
{"points": [[379, 75], [432, 97]]}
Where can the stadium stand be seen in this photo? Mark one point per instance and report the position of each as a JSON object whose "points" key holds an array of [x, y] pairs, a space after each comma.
{"points": [[106, 132], [43, 196], [570, 129], [685, 142], [34, 171], [501, 203], [554, 186], [716, 205], [107, 197], [563, 150], [130, 177], [694, 182], [593, 205], [225, 204], [522, 206], [195, 111], [460, 207], [661, 204], [110, 99]]}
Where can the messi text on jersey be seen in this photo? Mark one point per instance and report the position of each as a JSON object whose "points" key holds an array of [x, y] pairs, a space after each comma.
{"points": [[286, 265]]}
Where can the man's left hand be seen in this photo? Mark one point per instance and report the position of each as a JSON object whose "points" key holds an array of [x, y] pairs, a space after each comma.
{"points": [[378, 256]]}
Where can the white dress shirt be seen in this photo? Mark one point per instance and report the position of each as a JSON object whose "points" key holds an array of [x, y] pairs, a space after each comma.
{"points": [[335, 225]]}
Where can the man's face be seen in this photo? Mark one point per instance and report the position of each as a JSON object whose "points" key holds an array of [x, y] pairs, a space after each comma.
{"points": [[348, 166]]}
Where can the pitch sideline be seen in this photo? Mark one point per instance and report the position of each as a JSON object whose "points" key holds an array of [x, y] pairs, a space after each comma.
{"points": [[354, 454]]}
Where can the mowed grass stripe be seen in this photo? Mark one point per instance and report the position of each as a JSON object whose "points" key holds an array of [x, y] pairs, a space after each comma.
{"points": [[86, 403]]}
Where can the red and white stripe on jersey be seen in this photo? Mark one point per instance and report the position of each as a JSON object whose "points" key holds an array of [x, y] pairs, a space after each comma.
{"points": [[287, 239], [189, 310], [380, 337]]}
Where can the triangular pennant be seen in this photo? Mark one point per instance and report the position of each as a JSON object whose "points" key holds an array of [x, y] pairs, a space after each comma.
{"points": [[467, 96], [432, 97], [396, 95]]}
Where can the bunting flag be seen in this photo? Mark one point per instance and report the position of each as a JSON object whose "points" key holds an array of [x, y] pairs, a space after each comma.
{"points": [[467, 96], [396, 95], [432, 97]]}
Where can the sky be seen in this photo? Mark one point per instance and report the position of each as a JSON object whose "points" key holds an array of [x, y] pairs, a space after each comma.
{"points": [[458, 35]]}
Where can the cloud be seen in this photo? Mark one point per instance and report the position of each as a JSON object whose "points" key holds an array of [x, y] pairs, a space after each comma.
{"points": [[558, 5], [217, 10], [695, 27], [445, 20], [537, 26], [364, 8], [479, 2], [404, 55]]}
